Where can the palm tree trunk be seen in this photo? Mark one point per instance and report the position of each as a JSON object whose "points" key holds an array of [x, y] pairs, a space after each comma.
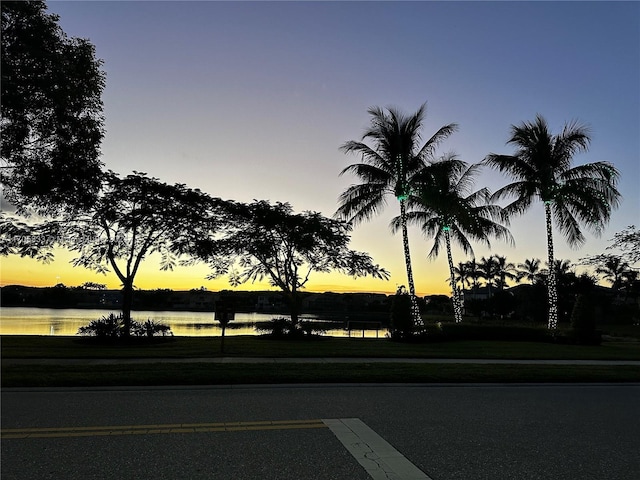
{"points": [[551, 281], [457, 311], [415, 311]]}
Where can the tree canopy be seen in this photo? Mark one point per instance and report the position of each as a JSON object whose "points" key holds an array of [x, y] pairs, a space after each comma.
{"points": [[51, 116], [271, 241], [133, 217]]}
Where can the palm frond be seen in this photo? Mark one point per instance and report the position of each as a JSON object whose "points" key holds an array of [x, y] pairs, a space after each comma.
{"points": [[361, 202]]}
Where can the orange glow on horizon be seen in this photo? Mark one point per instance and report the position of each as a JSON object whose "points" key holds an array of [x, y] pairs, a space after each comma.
{"points": [[29, 272]]}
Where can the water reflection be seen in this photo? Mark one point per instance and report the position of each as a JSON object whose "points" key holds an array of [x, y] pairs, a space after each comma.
{"points": [[50, 321]]}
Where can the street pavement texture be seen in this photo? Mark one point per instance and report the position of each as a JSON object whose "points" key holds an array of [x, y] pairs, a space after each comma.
{"points": [[350, 432]]}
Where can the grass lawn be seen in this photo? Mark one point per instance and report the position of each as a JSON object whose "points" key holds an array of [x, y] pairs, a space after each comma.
{"points": [[230, 374], [252, 346], [150, 373]]}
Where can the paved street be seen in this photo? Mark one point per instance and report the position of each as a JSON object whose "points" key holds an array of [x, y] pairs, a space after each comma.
{"points": [[446, 432]]}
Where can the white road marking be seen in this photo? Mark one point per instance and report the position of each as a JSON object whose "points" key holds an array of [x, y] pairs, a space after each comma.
{"points": [[374, 453]]}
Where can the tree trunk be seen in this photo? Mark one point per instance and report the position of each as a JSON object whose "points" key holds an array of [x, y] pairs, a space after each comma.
{"points": [[294, 307], [224, 327], [551, 280], [127, 301], [415, 311], [457, 310]]}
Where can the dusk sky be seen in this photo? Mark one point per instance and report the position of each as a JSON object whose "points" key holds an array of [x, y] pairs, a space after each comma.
{"points": [[252, 100]]}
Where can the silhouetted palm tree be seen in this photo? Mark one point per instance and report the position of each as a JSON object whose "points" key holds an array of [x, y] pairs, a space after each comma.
{"points": [[389, 167], [613, 270], [530, 270], [474, 274], [445, 210], [488, 267], [504, 271], [541, 169], [462, 275]]}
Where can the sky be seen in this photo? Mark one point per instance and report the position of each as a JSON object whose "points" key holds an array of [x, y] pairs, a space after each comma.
{"points": [[252, 100]]}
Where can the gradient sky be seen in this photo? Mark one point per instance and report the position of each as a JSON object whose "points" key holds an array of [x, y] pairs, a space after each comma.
{"points": [[252, 100]]}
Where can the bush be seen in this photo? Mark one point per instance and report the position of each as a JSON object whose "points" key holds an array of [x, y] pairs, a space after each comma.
{"points": [[401, 324], [284, 328], [458, 331], [150, 328], [440, 332], [112, 326]]}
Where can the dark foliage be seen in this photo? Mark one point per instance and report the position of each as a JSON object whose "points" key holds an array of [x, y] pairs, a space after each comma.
{"points": [[285, 328], [52, 121], [113, 326], [401, 324]]}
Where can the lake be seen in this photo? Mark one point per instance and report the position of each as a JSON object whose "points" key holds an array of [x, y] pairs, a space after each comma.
{"points": [[53, 321]]}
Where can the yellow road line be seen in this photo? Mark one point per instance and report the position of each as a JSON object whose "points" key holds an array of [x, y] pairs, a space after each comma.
{"points": [[56, 432]]}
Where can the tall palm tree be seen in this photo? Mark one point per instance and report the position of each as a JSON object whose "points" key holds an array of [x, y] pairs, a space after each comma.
{"points": [[445, 210], [530, 270], [541, 169], [389, 167]]}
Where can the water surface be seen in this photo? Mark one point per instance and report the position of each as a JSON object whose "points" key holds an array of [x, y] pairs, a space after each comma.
{"points": [[54, 321]]}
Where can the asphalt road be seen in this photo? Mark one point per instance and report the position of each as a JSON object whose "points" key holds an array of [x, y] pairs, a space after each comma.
{"points": [[449, 432]]}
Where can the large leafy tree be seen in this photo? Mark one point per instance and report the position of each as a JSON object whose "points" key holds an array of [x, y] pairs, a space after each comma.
{"points": [[272, 242], [618, 268], [628, 242], [573, 196], [51, 114], [389, 167], [133, 217], [446, 209]]}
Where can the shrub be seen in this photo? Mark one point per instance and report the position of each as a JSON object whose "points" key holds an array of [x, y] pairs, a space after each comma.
{"points": [[150, 328], [112, 326], [401, 324], [440, 332], [284, 328]]}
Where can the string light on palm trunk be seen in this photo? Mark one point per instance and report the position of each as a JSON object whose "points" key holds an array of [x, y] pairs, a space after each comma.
{"points": [[457, 309], [552, 281]]}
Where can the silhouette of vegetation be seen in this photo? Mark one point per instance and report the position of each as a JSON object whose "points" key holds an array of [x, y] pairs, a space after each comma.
{"points": [[270, 241], [401, 325], [284, 328], [528, 270], [114, 326], [584, 314], [443, 207], [134, 217], [390, 167], [541, 169], [51, 120]]}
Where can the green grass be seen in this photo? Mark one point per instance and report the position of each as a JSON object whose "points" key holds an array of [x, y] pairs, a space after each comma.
{"points": [[198, 373], [229, 374], [252, 346]]}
